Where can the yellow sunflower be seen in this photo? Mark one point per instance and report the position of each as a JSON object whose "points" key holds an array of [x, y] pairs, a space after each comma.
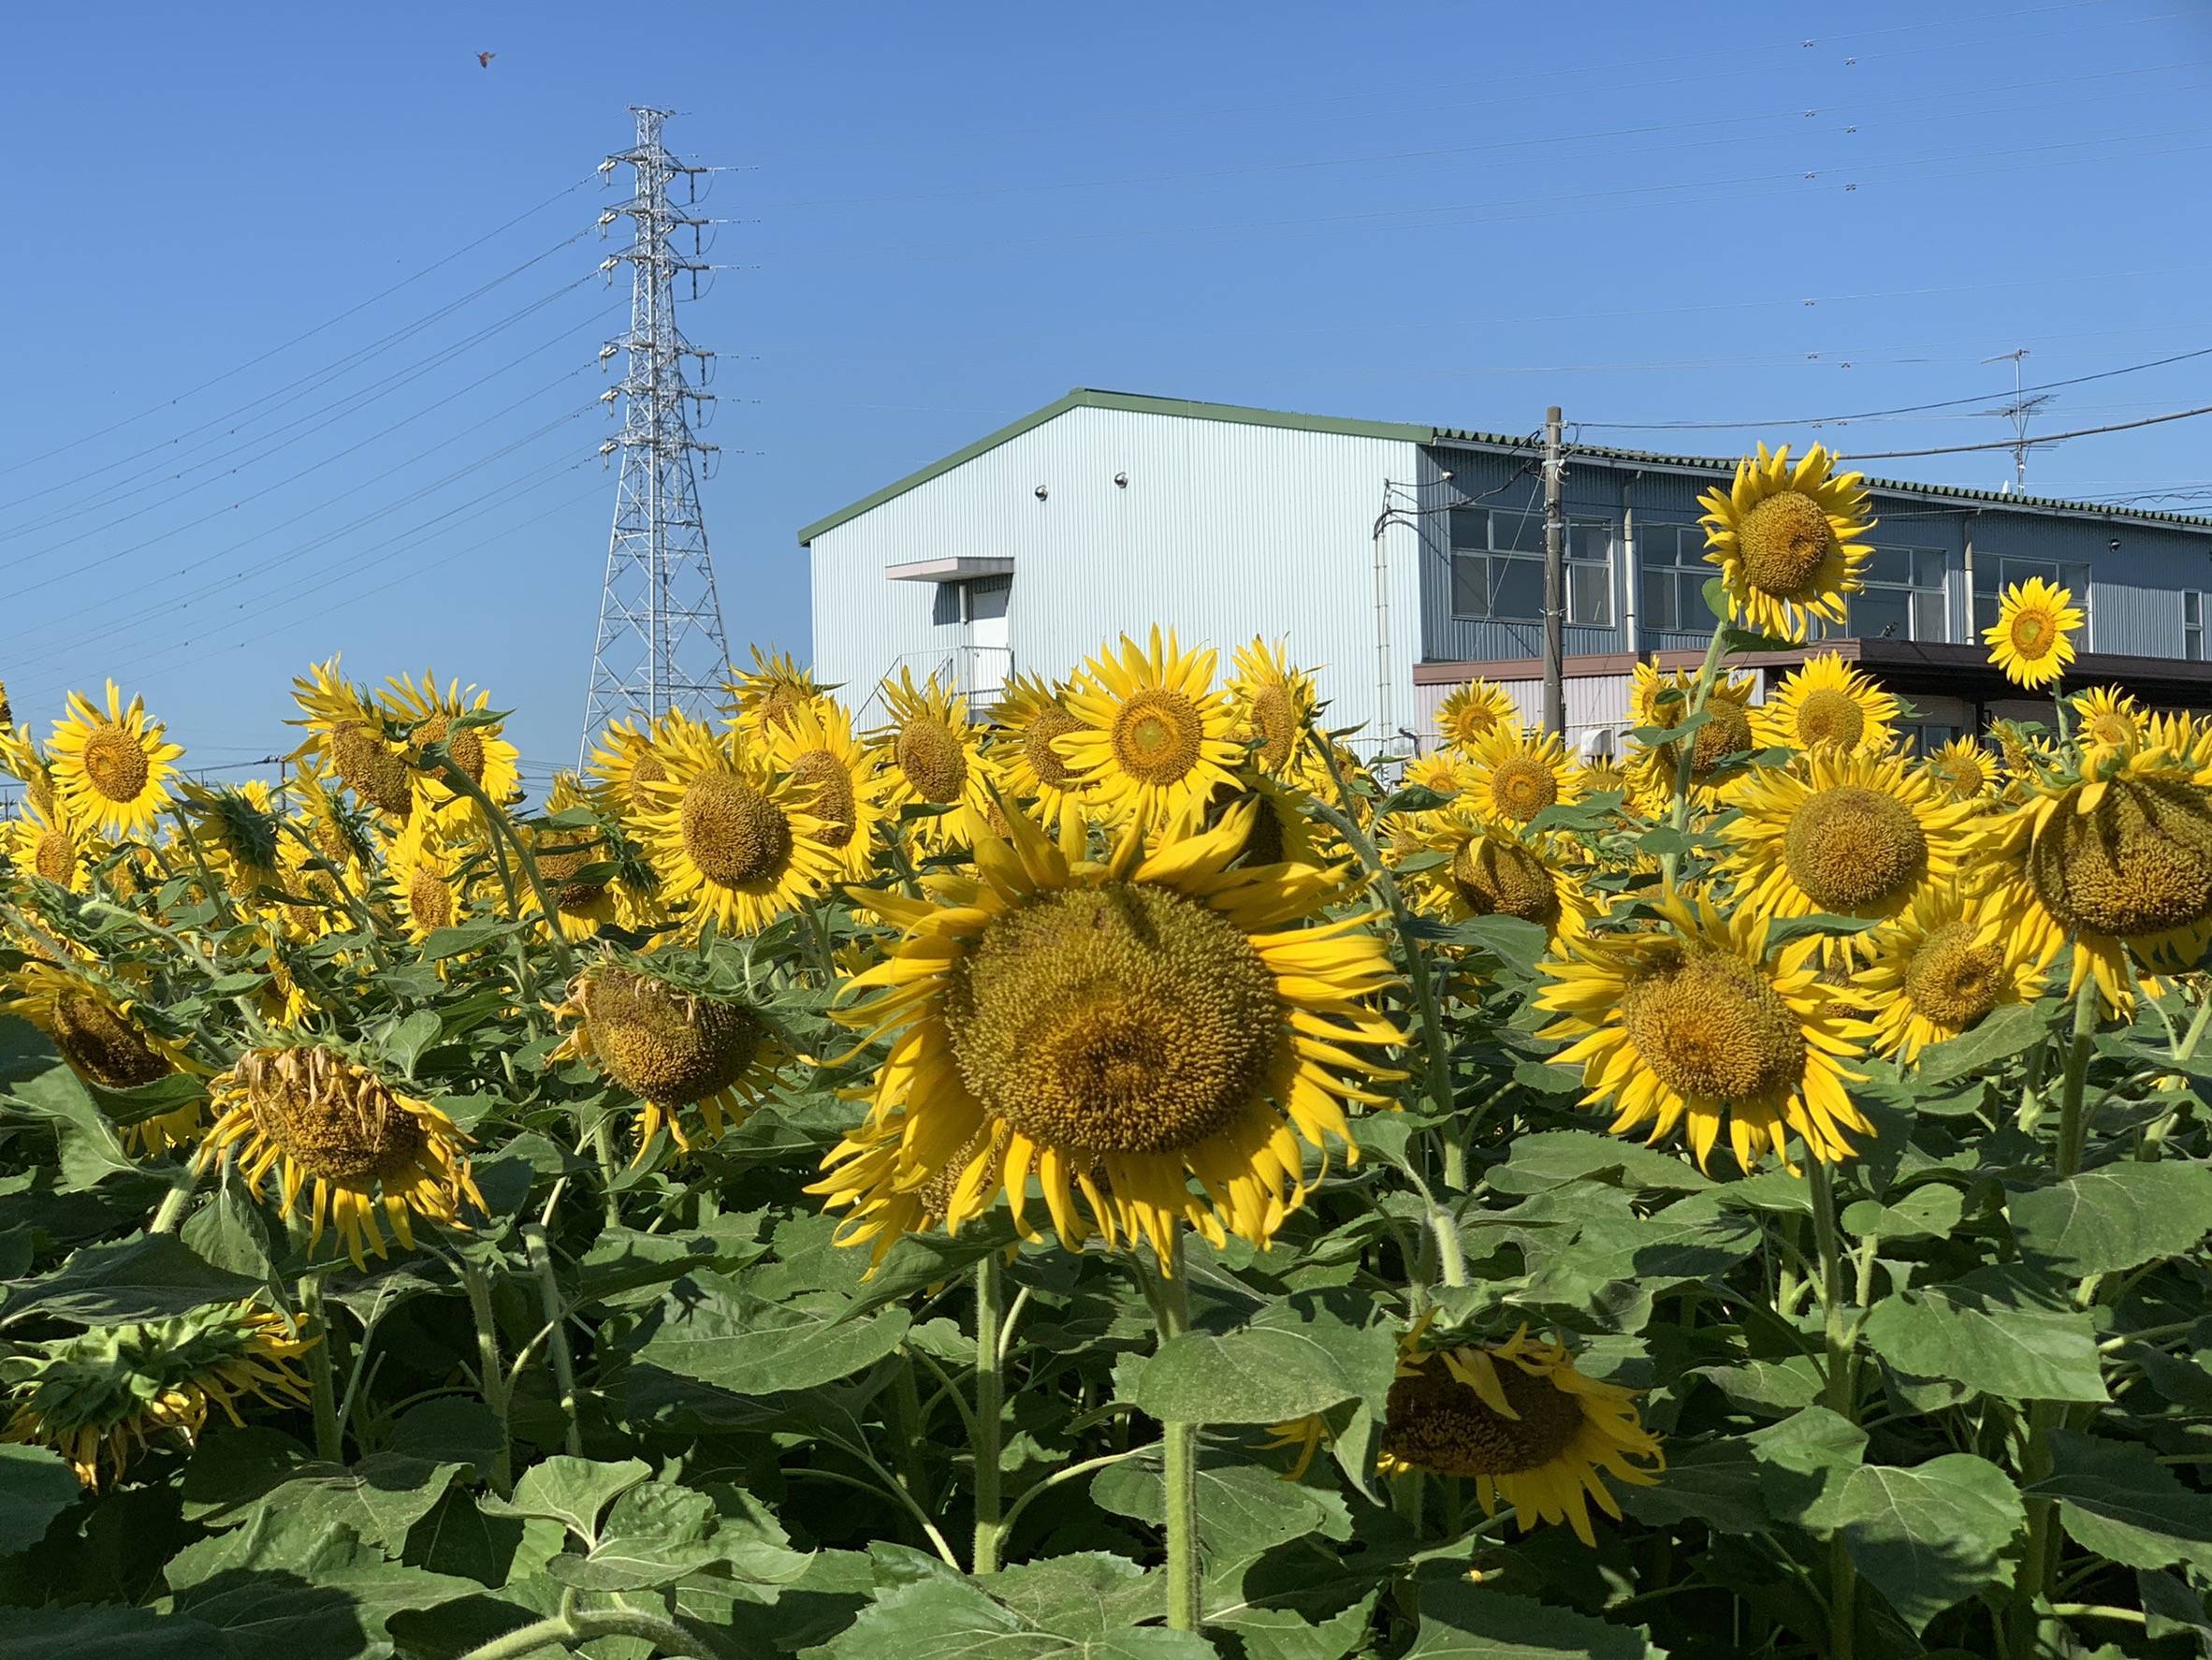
{"points": [[763, 698], [1519, 1422], [349, 739], [1602, 776], [1470, 714], [1439, 770], [22, 759], [1514, 775], [683, 1053], [595, 874], [814, 743], [729, 836], [1023, 752], [1961, 769], [1156, 736], [1130, 1025], [1277, 708], [1661, 700], [1937, 971], [42, 843], [1790, 540], [626, 761], [1826, 704], [1845, 834], [1492, 871], [237, 832], [1692, 1017], [103, 1032], [2031, 639], [2118, 863], [428, 716], [98, 1398], [931, 758], [112, 770], [310, 1115], [2111, 721], [423, 864]]}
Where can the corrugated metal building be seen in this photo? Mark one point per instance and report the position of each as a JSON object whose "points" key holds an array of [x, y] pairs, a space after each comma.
{"points": [[1400, 560]]}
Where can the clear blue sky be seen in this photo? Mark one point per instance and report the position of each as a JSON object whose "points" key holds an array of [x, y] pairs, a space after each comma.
{"points": [[1455, 214]]}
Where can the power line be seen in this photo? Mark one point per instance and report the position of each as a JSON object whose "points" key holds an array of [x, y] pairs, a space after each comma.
{"points": [[1959, 449]]}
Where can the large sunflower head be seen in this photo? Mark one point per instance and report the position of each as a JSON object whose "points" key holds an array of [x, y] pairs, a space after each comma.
{"points": [[1156, 736], [685, 1055], [763, 698], [1962, 770], [349, 739], [1470, 714], [1844, 835], [111, 769], [109, 1038], [1790, 540], [43, 842], [1277, 707], [2032, 638], [815, 746], [1133, 1027], [2111, 722], [1937, 971], [931, 756], [730, 836], [1719, 748], [1024, 755], [1826, 704], [1690, 1016], [1515, 774], [99, 1398], [428, 714], [1519, 1422], [323, 1124]]}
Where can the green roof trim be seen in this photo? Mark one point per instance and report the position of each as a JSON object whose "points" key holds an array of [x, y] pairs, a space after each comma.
{"points": [[1404, 432]]}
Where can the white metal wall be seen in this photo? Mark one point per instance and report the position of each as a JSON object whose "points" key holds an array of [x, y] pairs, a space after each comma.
{"points": [[1223, 531]]}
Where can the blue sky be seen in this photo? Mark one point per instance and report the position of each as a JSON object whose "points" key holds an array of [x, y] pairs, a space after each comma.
{"points": [[1447, 212]]}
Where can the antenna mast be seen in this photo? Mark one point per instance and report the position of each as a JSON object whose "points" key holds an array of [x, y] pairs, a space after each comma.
{"points": [[2017, 412], [660, 644]]}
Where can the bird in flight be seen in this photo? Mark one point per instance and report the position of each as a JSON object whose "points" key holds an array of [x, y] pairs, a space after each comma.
{"points": [[484, 59]]}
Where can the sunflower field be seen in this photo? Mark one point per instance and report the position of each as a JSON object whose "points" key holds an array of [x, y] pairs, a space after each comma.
{"points": [[1111, 1176]]}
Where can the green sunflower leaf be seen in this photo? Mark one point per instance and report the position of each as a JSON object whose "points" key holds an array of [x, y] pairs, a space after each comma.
{"points": [[35, 1485], [2114, 1498], [1295, 1359], [2116, 1217], [1462, 1622], [145, 1279], [1968, 1335], [1930, 1536]]}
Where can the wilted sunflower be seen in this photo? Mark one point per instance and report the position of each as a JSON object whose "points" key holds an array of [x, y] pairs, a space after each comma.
{"points": [[729, 836], [1277, 706], [424, 863], [1491, 870], [430, 716], [1826, 704], [41, 843], [1129, 1025], [99, 1397], [2031, 639], [112, 770], [1660, 700], [1156, 736], [2116, 864], [1693, 1017], [681, 1053], [2111, 721], [1937, 971], [310, 1115], [1790, 540], [1846, 835], [1961, 769], [814, 743], [930, 758], [763, 698], [1514, 775], [104, 1035], [347, 738], [1470, 713], [1519, 1422], [1024, 756]]}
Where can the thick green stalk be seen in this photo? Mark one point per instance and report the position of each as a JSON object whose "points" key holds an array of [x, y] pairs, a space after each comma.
{"points": [[990, 1409], [1686, 748], [1179, 1460], [322, 1370], [1843, 1394], [178, 1200], [557, 1350], [492, 1383], [2072, 1121], [580, 1625]]}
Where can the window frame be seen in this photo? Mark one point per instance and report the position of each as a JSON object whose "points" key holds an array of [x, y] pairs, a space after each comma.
{"points": [[1490, 554], [2083, 592], [1911, 588], [1686, 567]]}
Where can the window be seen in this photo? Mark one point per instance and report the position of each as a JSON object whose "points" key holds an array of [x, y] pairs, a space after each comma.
{"points": [[2001, 571], [1497, 567], [1674, 579], [1904, 598], [2192, 626], [1929, 736]]}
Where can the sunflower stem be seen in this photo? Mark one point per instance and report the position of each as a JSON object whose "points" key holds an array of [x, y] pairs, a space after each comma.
{"points": [[2073, 1125], [1179, 1458], [578, 1625], [603, 1149], [1843, 1391], [493, 1382], [990, 1407], [178, 1200], [1685, 762], [322, 1370], [557, 1350]]}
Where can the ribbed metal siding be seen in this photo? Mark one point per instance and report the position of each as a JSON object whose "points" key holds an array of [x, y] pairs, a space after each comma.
{"points": [[1223, 531]]}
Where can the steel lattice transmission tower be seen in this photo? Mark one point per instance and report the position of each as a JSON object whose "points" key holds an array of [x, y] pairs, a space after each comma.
{"points": [[661, 643]]}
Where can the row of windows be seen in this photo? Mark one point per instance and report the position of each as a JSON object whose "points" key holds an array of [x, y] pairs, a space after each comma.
{"points": [[1497, 570]]}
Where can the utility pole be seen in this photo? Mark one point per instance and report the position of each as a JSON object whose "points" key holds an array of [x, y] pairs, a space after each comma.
{"points": [[661, 645], [2017, 412], [1554, 578]]}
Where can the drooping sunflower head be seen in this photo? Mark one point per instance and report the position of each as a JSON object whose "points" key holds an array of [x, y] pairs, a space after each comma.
{"points": [[1827, 704], [1516, 774], [1132, 1026], [111, 769], [729, 836], [815, 744], [1692, 1017], [575, 859], [763, 698], [1277, 706], [42, 842], [238, 833], [1519, 1422], [683, 1053], [426, 864], [109, 1038], [1962, 770], [428, 716], [2032, 638], [931, 757], [1470, 714], [20, 758], [1937, 971], [348, 737], [1495, 871], [322, 1123], [1790, 540], [1156, 737], [2111, 721], [100, 1397]]}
